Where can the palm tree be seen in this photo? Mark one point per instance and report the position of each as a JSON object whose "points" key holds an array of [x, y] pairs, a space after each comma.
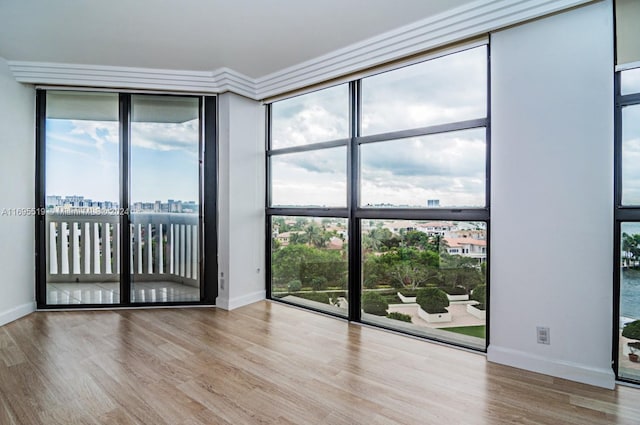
{"points": [[627, 243], [314, 234], [378, 236], [297, 238], [631, 248]]}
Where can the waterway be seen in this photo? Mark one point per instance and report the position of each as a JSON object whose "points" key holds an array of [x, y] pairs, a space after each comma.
{"points": [[630, 284], [630, 295]]}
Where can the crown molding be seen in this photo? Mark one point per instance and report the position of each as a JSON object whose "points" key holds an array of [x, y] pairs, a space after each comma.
{"points": [[472, 20], [230, 80], [60, 74]]}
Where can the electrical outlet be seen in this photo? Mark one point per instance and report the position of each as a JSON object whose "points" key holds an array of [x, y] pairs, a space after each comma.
{"points": [[221, 280], [544, 335]]}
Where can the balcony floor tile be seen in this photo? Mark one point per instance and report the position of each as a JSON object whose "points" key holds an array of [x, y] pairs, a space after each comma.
{"points": [[109, 293]]}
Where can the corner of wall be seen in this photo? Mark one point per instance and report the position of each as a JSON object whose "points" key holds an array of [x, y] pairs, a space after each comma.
{"points": [[16, 313], [572, 371], [241, 201], [17, 186], [237, 302]]}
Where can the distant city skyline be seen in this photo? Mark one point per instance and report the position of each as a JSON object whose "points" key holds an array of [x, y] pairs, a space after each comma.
{"points": [[80, 201]]}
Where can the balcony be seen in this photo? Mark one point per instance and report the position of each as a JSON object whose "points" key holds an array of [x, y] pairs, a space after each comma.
{"points": [[83, 261]]}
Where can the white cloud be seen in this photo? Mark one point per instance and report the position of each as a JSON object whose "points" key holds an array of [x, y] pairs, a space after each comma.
{"points": [[448, 89], [310, 178], [449, 167], [316, 117], [68, 151], [166, 136], [156, 136]]}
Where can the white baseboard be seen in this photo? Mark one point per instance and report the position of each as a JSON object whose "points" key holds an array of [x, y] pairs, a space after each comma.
{"points": [[16, 313], [600, 377], [235, 302]]}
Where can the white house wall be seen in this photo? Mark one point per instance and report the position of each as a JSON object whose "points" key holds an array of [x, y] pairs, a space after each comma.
{"points": [[552, 194], [241, 201], [17, 174]]}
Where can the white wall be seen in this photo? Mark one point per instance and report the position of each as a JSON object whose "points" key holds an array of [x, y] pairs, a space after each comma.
{"points": [[552, 194], [17, 180], [241, 199]]}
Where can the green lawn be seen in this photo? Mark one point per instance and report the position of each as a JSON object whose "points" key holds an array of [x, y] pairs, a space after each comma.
{"points": [[477, 331]]}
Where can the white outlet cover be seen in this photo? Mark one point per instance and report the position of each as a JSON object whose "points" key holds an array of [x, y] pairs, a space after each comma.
{"points": [[543, 335]]}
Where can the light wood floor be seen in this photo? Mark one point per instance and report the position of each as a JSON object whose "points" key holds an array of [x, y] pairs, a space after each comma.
{"points": [[268, 364]]}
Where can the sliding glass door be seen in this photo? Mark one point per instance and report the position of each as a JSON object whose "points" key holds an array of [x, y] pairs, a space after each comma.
{"points": [[81, 203], [164, 193], [121, 210]]}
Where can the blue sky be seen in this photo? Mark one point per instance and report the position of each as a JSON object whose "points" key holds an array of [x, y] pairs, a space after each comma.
{"points": [[82, 159]]}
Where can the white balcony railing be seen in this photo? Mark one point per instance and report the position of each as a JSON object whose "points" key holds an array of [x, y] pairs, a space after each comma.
{"points": [[86, 248]]}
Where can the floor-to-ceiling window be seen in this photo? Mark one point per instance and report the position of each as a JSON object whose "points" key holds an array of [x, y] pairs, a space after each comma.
{"points": [[308, 173], [378, 205], [627, 215], [122, 213]]}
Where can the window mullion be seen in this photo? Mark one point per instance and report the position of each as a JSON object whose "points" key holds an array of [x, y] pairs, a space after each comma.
{"points": [[355, 249]]}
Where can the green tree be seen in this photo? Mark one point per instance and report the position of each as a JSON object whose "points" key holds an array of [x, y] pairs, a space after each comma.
{"points": [[417, 239], [392, 242], [399, 316], [316, 235], [432, 300], [294, 286], [303, 263], [479, 294], [280, 224], [632, 330], [373, 272], [457, 270], [466, 277], [297, 238], [300, 223], [373, 303], [318, 283], [631, 248], [409, 267], [375, 239], [438, 244]]}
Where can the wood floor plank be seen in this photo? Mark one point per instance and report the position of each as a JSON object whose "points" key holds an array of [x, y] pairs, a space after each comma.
{"points": [[268, 363]]}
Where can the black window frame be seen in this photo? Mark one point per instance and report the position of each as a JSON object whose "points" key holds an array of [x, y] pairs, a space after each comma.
{"points": [[207, 216], [354, 213], [622, 214]]}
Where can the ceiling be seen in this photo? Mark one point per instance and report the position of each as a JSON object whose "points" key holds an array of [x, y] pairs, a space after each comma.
{"points": [[253, 37]]}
